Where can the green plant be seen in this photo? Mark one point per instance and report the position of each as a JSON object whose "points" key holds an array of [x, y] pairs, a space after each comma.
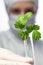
{"points": [[20, 24]]}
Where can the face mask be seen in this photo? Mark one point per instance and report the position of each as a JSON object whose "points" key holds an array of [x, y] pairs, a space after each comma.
{"points": [[12, 20]]}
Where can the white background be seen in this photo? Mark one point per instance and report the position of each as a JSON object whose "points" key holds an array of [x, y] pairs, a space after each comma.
{"points": [[4, 17]]}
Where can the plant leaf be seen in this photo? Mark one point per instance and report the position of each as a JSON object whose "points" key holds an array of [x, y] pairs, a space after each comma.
{"points": [[28, 15], [36, 35], [36, 27], [29, 28]]}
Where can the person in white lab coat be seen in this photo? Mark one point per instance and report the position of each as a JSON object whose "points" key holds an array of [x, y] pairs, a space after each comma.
{"points": [[11, 45]]}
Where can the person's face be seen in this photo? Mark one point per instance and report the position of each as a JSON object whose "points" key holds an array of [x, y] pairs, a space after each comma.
{"points": [[20, 8]]}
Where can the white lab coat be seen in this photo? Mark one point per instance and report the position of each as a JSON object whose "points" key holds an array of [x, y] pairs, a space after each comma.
{"points": [[9, 40]]}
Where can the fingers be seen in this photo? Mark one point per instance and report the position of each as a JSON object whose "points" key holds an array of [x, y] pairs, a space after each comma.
{"points": [[29, 60], [8, 55], [5, 62]]}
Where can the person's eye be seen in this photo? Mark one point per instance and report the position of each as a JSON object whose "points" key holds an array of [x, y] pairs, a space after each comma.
{"points": [[15, 11], [29, 10]]}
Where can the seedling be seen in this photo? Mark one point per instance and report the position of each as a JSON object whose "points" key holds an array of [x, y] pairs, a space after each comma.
{"points": [[36, 35], [20, 24]]}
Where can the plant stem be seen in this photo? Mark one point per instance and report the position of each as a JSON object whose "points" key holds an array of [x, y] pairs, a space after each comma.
{"points": [[32, 48], [25, 48]]}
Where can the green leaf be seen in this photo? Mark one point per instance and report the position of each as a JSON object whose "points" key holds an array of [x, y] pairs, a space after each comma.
{"points": [[28, 15], [24, 22], [25, 35], [20, 32], [20, 18], [36, 27], [36, 35], [18, 25], [29, 28]]}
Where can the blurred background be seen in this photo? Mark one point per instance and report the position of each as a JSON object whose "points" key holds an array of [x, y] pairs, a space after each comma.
{"points": [[4, 17]]}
